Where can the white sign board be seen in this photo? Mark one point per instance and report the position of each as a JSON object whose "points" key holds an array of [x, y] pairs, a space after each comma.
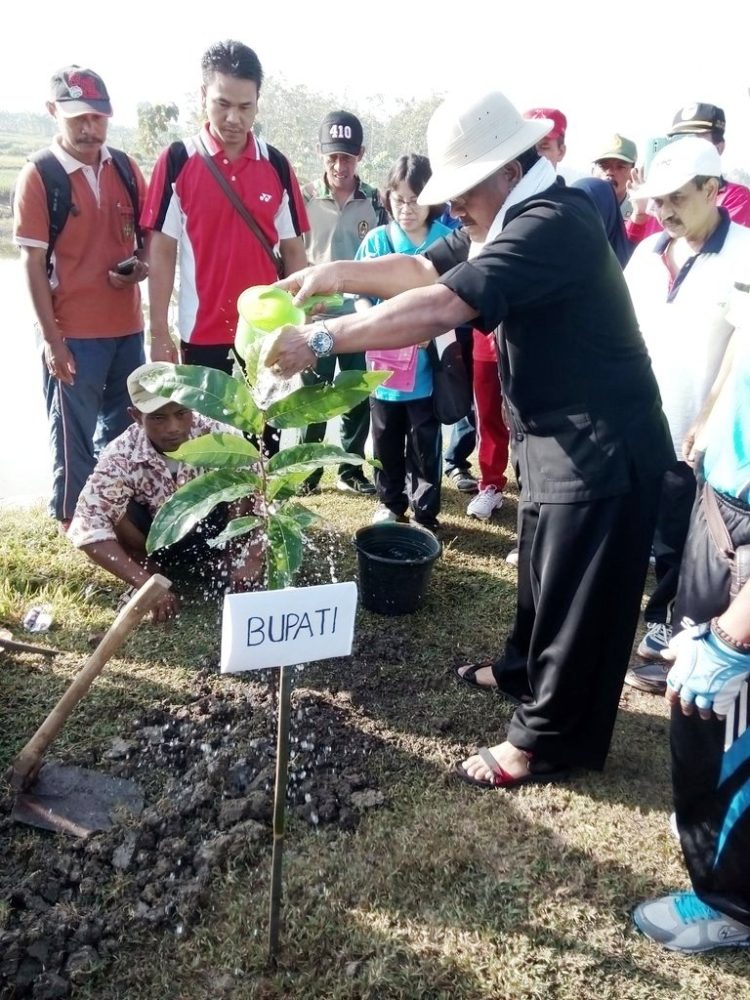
{"points": [[277, 628]]}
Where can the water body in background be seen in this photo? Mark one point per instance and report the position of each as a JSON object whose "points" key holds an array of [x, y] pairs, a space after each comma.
{"points": [[25, 464], [25, 474]]}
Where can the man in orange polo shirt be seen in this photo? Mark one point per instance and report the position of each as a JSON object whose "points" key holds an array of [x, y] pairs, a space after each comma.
{"points": [[89, 315]]}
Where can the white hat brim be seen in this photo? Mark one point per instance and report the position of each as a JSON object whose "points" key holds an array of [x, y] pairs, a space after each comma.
{"points": [[450, 182], [659, 185]]}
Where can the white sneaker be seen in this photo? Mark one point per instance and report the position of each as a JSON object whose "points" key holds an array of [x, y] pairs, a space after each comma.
{"points": [[485, 503], [512, 557], [384, 513]]}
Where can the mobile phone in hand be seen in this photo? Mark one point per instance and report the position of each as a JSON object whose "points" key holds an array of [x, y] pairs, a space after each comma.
{"points": [[126, 266]]}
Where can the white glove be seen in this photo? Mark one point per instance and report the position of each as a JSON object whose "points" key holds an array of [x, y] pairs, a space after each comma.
{"points": [[707, 672]]}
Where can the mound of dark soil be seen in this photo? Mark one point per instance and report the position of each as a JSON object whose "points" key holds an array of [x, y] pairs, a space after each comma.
{"points": [[207, 771]]}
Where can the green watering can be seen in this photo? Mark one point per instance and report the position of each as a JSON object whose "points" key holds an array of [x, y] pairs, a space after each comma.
{"points": [[264, 308]]}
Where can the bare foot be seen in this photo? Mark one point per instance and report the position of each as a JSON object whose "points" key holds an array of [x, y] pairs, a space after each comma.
{"points": [[510, 758]]}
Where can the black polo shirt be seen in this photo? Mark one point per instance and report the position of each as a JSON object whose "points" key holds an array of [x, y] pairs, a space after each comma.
{"points": [[582, 399]]}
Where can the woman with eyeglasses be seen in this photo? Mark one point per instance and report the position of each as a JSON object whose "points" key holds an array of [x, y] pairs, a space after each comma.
{"points": [[406, 435]]}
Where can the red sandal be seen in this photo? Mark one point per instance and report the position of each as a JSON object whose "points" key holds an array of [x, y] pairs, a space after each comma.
{"points": [[501, 778]]}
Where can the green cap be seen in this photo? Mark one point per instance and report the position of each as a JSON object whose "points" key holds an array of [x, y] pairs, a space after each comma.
{"points": [[618, 148]]}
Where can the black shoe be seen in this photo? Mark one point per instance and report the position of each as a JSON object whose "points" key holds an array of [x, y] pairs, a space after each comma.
{"points": [[463, 480], [308, 488], [355, 483], [432, 524]]}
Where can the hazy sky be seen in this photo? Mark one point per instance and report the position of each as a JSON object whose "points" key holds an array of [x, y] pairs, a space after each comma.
{"points": [[610, 67]]}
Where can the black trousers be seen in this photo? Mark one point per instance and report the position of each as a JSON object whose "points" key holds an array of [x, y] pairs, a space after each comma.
{"points": [[675, 506], [407, 440], [711, 758], [581, 572], [355, 423], [222, 358]]}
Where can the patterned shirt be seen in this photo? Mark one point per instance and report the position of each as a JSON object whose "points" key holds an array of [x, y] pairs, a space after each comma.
{"points": [[131, 469]]}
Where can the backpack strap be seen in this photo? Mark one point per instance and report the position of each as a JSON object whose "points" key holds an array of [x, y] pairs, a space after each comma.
{"points": [[124, 168], [58, 189], [59, 196], [281, 165]]}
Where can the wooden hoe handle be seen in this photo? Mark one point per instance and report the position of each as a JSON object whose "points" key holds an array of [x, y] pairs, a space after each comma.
{"points": [[25, 767]]}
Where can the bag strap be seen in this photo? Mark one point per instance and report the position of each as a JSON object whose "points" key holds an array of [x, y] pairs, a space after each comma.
{"points": [[125, 171], [58, 192], [716, 526], [237, 203]]}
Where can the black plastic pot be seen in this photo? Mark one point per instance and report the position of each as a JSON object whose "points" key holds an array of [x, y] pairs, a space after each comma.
{"points": [[395, 564]]}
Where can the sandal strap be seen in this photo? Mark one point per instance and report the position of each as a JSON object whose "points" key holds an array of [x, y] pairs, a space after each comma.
{"points": [[499, 775]]}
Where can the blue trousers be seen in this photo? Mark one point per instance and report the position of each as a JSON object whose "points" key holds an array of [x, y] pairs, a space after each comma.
{"points": [[86, 416]]}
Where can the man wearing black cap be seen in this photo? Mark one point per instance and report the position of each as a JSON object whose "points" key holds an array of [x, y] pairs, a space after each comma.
{"points": [[341, 210], [76, 208]]}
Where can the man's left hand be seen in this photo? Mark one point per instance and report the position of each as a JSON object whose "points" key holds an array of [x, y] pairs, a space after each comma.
{"points": [[289, 353], [707, 673], [139, 272]]}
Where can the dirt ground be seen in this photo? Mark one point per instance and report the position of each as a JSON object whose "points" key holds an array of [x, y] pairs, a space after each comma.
{"points": [[206, 769]]}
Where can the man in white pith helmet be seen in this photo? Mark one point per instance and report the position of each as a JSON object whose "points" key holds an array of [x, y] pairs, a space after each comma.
{"points": [[591, 442]]}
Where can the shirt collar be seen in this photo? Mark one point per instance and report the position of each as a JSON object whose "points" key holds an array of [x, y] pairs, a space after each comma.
{"points": [[70, 163], [357, 193], [250, 152], [714, 243]]}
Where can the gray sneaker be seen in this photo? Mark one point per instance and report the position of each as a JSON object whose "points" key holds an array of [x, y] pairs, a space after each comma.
{"points": [[651, 677], [682, 922], [655, 642]]}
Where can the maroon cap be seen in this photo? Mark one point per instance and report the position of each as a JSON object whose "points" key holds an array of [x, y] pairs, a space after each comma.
{"points": [[78, 91], [561, 122]]}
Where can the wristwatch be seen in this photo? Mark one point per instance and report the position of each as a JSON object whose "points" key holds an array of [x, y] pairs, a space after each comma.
{"points": [[320, 341]]}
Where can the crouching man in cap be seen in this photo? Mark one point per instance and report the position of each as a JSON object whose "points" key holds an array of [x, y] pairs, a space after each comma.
{"points": [[133, 478], [591, 442]]}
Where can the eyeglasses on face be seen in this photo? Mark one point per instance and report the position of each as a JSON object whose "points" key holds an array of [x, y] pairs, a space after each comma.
{"points": [[398, 202]]}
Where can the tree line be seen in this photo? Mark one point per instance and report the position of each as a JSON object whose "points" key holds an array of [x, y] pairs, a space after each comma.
{"points": [[289, 117]]}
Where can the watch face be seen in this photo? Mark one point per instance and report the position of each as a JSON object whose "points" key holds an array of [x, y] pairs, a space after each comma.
{"points": [[321, 342]]}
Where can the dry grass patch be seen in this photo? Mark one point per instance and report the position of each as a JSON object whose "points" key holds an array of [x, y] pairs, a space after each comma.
{"points": [[443, 892]]}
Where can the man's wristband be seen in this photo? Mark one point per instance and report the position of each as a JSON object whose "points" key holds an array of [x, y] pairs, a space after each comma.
{"points": [[726, 638]]}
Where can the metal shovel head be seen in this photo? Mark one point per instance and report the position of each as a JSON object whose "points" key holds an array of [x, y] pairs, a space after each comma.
{"points": [[76, 801]]}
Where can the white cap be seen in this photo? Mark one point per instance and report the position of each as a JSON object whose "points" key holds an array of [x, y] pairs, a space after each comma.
{"points": [[678, 163]]}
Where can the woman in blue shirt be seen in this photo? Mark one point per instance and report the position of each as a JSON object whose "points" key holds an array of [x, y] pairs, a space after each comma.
{"points": [[406, 435]]}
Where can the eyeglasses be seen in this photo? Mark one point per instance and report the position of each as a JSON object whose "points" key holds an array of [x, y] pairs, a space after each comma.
{"points": [[399, 202]]}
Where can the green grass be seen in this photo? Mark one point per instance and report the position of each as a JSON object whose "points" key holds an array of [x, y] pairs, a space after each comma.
{"points": [[443, 892]]}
